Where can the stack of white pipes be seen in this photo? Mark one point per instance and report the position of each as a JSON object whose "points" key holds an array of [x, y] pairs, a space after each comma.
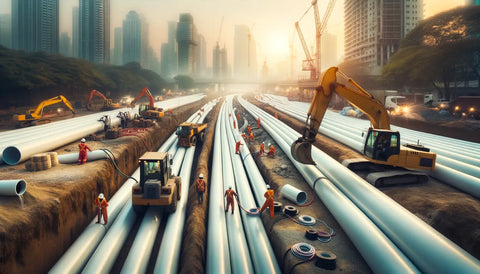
{"points": [[458, 163], [427, 248]]}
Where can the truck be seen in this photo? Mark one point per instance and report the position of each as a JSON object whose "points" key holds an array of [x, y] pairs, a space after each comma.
{"points": [[157, 186], [431, 100], [397, 104], [468, 106], [190, 133]]}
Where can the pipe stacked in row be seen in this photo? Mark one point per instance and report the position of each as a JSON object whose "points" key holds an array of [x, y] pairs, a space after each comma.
{"points": [[427, 248]]}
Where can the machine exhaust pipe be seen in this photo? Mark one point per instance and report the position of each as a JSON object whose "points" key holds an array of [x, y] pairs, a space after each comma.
{"points": [[302, 151]]}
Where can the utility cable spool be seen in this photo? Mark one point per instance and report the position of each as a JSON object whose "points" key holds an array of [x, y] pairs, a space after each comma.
{"points": [[303, 251], [277, 206], [290, 210], [311, 234], [306, 220], [326, 260]]}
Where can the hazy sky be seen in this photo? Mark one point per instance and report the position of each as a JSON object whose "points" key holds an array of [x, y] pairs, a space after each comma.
{"points": [[271, 21]]}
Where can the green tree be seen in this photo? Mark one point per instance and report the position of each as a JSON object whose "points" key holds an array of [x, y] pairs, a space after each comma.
{"points": [[184, 81], [438, 52]]}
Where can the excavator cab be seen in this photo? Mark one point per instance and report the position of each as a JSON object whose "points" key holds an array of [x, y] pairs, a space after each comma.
{"points": [[381, 144]]}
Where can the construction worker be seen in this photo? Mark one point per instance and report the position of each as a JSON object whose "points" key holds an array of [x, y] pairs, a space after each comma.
{"points": [[170, 111], [249, 129], [229, 193], [234, 124], [268, 202], [262, 149], [82, 155], [237, 146], [276, 115], [101, 204], [271, 152], [238, 116], [200, 188], [244, 136], [258, 122], [251, 137]]}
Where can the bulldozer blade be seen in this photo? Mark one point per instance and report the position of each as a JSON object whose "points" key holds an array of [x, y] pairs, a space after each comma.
{"points": [[302, 152]]}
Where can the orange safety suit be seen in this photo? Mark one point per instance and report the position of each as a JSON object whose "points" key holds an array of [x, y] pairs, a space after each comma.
{"points": [[276, 115], [82, 155], [251, 137], [200, 190], [249, 129], [101, 209], [234, 124], [237, 146], [244, 136], [268, 202], [238, 117], [262, 149], [271, 152], [229, 193], [258, 122]]}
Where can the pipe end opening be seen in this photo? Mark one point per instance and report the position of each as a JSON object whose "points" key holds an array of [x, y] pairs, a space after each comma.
{"points": [[11, 155]]}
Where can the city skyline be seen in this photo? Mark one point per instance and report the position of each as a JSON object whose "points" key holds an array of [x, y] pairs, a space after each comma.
{"points": [[271, 22]]}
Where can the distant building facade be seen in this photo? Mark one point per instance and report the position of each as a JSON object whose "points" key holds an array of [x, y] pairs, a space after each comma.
{"points": [[65, 45], [94, 30], [244, 54], [201, 56], [186, 41], [373, 29], [35, 25], [220, 67], [169, 54], [117, 46], [132, 38], [329, 50], [75, 32], [6, 30]]}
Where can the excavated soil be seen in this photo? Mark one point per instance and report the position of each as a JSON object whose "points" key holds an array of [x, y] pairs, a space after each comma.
{"points": [[448, 210], [58, 203]]}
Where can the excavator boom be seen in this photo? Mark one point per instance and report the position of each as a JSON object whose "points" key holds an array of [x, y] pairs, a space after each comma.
{"points": [[145, 91], [382, 146], [37, 113]]}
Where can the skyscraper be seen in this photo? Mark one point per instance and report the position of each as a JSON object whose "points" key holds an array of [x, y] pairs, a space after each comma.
{"points": [[145, 55], [187, 40], [117, 47], [6, 30], [169, 54], [65, 47], [35, 25], [201, 56], [75, 32], [219, 64], [244, 53], [94, 30], [132, 38], [373, 29]]}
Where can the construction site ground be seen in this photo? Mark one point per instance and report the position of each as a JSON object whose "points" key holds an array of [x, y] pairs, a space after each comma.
{"points": [[58, 204]]}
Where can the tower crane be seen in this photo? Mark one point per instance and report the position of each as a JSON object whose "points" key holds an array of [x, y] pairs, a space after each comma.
{"points": [[314, 66]]}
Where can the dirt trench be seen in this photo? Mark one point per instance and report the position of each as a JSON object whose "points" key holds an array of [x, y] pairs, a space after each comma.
{"points": [[59, 202]]}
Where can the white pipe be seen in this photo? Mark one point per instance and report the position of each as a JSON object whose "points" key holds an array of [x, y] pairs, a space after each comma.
{"points": [[12, 187], [72, 158], [293, 194], [428, 249]]}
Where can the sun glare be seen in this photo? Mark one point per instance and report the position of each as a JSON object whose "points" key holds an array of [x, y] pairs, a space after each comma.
{"points": [[277, 44]]}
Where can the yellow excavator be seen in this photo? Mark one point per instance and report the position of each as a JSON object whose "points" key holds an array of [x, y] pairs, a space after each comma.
{"points": [[34, 116], [382, 146]]}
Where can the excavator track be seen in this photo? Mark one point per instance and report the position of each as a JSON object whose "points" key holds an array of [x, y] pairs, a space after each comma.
{"points": [[383, 175]]}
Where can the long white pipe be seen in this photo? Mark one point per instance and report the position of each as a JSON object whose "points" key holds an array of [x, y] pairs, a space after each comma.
{"points": [[261, 252], [73, 157], [239, 255], [427, 248], [218, 254], [377, 250], [12, 187]]}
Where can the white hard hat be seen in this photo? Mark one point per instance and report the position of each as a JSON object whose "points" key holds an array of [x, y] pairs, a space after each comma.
{"points": [[200, 176], [100, 196], [230, 187], [83, 140], [268, 186], [269, 144]]}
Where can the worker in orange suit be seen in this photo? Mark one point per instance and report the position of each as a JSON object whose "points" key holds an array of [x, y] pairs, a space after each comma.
{"points": [[249, 129], [251, 137], [276, 115], [238, 116], [262, 149], [268, 202], [200, 188], [82, 155], [244, 136], [229, 193], [258, 122], [101, 204], [237, 146], [234, 124], [271, 151]]}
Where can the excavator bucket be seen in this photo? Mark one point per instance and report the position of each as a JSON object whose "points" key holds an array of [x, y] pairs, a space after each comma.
{"points": [[302, 151]]}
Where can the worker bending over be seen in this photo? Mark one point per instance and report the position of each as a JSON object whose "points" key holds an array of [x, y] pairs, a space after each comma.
{"points": [[262, 149], [268, 202], [271, 152]]}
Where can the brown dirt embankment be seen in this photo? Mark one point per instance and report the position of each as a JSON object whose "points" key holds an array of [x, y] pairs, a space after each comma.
{"points": [[58, 203], [192, 259]]}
